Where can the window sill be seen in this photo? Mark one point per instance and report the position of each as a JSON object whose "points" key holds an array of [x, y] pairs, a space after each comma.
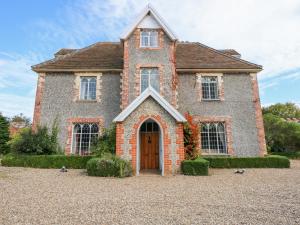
{"points": [[149, 48], [86, 101], [211, 100], [215, 154]]}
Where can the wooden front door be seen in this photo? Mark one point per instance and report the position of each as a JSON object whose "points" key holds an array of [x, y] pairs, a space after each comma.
{"points": [[149, 150]]}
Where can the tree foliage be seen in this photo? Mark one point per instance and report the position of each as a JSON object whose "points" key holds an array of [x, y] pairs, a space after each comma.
{"points": [[287, 110], [39, 142], [4, 134], [21, 119], [281, 135], [191, 136]]}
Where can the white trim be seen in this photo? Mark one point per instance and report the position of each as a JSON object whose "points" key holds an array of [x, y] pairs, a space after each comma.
{"points": [[157, 97], [156, 16]]}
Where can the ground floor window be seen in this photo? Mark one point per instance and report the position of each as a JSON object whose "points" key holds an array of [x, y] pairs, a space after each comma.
{"points": [[83, 136], [213, 138]]}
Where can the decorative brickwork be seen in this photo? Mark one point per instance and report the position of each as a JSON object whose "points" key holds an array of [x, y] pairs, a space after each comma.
{"points": [[77, 85], [71, 121], [180, 144], [228, 127], [174, 74], [125, 77], [38, 100], [137, 35], [258, 116], [138, 77], [220, 84], [119, 138]]}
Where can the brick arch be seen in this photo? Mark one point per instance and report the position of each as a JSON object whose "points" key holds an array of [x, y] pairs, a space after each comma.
{"points": [[166, 141]]}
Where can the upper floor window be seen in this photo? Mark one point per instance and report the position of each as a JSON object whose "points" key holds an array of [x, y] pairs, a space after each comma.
{"points": [[149, 38], [88, 88], [213, 139], [149, 77], [210, 88], [84, 134]]}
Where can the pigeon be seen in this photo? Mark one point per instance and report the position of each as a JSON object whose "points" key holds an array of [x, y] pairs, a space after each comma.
{"points": [[240, 171], [63, 169]]}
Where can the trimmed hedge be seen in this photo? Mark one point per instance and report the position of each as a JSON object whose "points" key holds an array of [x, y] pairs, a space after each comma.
{"points": [[45, 161], [272, 161], [197, 167], [290, 155], [109, 167]]}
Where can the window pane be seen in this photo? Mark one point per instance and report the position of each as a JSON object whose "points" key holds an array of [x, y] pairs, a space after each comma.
{"points": [[84, 88], [144, 82], [144, 38], [154, 39], [92, 89], [154, 79], [210, 88], [143, 128], [149, 127], [155, 127]]}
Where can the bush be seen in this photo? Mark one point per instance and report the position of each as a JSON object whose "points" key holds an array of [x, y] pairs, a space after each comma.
{"points": [[4, 135], [197, 167], [109, 167], [290, 155], [45, 161], [41, 142], [106, 143], [273, 161]]}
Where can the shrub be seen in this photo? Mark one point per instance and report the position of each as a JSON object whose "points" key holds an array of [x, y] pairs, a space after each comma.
{"points": [[41, 142], [191, 133], [109, 167], [106, 143], [290, 155], [45, 161], [197, 167], [273, 161], [4, 135]]}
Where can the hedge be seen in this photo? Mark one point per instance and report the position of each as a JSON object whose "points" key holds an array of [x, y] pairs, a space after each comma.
{"points": [[197, 167], [45, 161], [109, 167], [290, 155], [272, 161]]}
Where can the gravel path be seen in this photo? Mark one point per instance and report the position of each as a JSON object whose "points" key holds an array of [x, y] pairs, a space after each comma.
{"points": [[260, 196]]}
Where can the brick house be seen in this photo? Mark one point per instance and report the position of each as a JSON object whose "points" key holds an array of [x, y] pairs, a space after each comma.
{"points": [[145, 83]]}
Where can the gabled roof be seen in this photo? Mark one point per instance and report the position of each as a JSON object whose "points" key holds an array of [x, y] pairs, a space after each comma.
{"points": [[149, 10], [149, 92], [99, 56], [194, 55]]}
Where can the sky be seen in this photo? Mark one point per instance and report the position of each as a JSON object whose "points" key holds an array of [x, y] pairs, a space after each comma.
{"points": [[264, 32]]}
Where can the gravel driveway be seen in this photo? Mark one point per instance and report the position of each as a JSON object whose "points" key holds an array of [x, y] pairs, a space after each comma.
{"points": [[46, 196]]}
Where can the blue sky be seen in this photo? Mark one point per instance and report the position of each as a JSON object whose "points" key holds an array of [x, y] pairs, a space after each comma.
{"points": [[264, 32]]}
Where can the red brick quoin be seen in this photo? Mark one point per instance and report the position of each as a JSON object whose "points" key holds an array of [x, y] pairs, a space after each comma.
{"points": [[166, 142]]}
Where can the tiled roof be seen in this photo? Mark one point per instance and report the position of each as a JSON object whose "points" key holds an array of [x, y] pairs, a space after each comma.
{"points": [[230, 52], [102, 55], [109, 55], [198, 56]]}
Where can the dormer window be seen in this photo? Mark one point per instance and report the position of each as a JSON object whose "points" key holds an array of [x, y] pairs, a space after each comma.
{"points": [[149, 39]]}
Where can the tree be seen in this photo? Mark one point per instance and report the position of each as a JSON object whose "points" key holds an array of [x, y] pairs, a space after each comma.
{"points": [[4, 134], [280, 134], [287, 110], [191, 135], [21, 119]]}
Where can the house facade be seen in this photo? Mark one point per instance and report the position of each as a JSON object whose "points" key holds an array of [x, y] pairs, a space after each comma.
{"points": [[145, 83]]}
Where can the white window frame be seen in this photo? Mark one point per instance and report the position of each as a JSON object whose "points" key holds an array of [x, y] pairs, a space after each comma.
{"points": [[89, 95], [210, 150], [149, 34], [74, 142], [149, 78], [209, 88]]}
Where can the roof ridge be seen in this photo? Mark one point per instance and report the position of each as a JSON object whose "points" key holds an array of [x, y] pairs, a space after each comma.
{"points": [[72, 53]]}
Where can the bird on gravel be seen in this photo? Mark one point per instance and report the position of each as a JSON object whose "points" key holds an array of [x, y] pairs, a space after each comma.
{"points": [[240, 171], [63, 169]]}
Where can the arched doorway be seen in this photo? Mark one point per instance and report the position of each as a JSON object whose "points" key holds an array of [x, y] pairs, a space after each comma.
{"points": [[150, 157]]}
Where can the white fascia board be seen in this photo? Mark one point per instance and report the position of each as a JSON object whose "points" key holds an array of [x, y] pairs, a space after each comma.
{"points": [[158, 98], [156, 16]]}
